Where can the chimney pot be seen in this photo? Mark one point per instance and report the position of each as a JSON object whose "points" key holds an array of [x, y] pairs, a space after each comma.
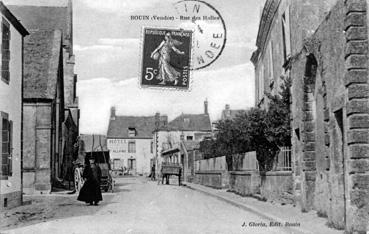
{"points": [[112, 113], [206, 111]]}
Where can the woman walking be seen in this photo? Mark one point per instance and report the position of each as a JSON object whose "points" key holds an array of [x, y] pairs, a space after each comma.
{"points": [[90, 191]]}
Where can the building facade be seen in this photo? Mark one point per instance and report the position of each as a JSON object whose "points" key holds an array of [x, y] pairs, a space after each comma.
{"points": [[330, 118], [130, 142], [284, 24], [184, 128], [12, 34], [327, 61], [43, 110], [60, 18]]}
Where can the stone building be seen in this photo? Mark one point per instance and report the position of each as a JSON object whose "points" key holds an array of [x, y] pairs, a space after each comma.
{"points": [[273, 49], [284, 24], [12, 34], [59, 18], [130, 142], [330, 117], [184, 128], [43, 109], [328, 66]]}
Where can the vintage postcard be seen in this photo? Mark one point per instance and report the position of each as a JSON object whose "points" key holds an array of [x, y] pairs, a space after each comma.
{"points": [[184, 116]]}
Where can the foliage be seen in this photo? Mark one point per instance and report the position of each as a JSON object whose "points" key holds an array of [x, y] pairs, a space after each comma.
{"points": [[263, 131]]}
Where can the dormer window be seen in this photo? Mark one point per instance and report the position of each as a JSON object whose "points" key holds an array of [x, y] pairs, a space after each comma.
{"points": [[132, 132]]}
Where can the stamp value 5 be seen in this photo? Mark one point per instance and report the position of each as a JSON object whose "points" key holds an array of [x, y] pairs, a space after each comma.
{"points": [[166, 58]]}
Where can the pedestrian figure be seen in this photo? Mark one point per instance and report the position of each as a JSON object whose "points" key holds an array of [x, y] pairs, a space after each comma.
{"points": [[90, 191], [153, 172]]}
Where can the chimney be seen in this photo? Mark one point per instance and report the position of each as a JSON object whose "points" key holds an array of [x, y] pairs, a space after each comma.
{"points": [[206, 112], [157, 120], [227, 111], [70, 27], [164, 120], [112, 113]]}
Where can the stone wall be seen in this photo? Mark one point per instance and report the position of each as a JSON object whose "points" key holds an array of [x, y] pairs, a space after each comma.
{"points": [[37, 156], [357, 88], [10, 200], [214, 179], [244, 182], [330, 118], [277, 186]]}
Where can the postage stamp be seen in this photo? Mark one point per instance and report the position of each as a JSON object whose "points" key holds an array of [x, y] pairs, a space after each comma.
{"points": [[166, 58]]}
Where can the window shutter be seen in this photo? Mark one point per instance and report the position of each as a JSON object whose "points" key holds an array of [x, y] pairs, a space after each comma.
{"points": [[288, 33], [4, 147], [5, 50], [10, 157], [1, 148]]}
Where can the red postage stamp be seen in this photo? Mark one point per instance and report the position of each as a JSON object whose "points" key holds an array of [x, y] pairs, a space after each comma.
{"points": [[166, 58]]}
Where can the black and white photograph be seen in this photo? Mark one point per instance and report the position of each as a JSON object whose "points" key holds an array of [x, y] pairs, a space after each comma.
{"points": [[184, 116]]}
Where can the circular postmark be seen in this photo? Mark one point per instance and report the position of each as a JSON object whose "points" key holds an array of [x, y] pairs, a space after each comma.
{"points": [[210, 34]]}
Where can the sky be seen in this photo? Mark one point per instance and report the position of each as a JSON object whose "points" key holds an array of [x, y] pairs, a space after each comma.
{"points": [[107, 48]]}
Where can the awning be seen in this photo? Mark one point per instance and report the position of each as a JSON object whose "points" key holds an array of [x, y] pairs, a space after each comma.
{"points": [[170, 151]]}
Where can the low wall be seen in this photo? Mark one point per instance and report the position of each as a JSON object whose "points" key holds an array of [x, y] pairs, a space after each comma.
{"points": [[213, 172], [211, 164], [244, 182], [215, 179], [277, 186], [245, 162], [10, 200]]}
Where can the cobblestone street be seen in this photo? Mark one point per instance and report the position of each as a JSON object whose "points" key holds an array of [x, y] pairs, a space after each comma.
{"points": [[137, 206]]}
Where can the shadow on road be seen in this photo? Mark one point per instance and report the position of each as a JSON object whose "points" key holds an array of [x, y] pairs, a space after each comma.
{"points": [[50, 207]]}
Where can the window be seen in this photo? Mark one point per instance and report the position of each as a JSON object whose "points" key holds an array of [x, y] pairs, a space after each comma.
{"points": [[117, 164], [131, 147], [131, 132], [189, 138], [261, 83], [186, 120], [270, 64], [152, 147], [75, 87], [6, 146], [132, 164], [286, 34], [5, 51]]}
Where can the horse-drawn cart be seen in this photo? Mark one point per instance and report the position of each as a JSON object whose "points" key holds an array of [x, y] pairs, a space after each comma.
{"points": [[102, 158], [171, 165], [168, 169]]}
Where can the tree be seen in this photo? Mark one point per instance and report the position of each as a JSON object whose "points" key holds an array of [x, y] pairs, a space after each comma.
{"points": [[263, 131]]}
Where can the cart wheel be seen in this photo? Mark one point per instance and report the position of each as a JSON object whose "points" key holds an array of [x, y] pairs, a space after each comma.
{"points": [[78, 182], [112, 186]]}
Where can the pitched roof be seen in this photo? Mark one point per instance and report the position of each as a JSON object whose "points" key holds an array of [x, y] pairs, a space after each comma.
{"points": [[43, 17], [144, 126], [94, 143], [13, 20], [190, 122], [191, 145], [41, 62]]}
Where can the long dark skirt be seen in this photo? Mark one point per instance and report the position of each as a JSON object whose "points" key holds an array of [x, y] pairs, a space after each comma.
{"points": [[90, 192]]}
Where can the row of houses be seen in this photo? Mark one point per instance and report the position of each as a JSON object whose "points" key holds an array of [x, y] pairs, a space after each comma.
{"points": [[137, 143], [38, 104], [322, 46]]}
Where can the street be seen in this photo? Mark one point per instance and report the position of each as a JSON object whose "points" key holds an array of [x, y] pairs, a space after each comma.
{"points": [[142, 206]]}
